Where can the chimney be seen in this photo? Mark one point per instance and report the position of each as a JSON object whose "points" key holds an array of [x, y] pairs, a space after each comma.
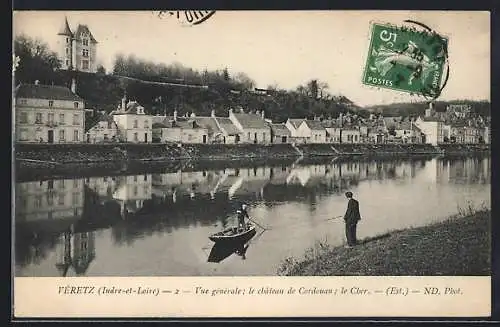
{"points": [[212, 113], [73, 85], [175, 115], [124, 100], [37, 82], [262, 114]]}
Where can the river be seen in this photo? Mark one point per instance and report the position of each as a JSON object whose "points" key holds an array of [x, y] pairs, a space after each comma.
{"points": [[158, 223]]}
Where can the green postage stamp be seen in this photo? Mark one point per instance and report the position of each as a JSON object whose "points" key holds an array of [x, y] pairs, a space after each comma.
{"points": [[407, 60]]}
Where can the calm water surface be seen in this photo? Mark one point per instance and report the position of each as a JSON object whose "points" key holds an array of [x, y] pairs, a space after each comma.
{"points": [[158, 224]]}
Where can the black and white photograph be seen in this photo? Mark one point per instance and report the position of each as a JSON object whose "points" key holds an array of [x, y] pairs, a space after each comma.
{"points": [[251, 143]]}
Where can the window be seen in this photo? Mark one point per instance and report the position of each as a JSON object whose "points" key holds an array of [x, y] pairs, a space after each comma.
{"points": [[67, 63], [61, 184], [51, 103], [23, 118], [85, 42], [23, 134], [51, 118], [75, 199], [75, 135], [136, 137], [85, 52], [61, 135], [61, 119], [249, 136], [146, 124], [23, 101], [67, 40], [67, 50], [38, 118], [145, 178], [38, 201], [61, 199], [263, 136], [75, 105], [106, 137], [136, 189], [136, 123], [85, 64], [76, 119], [109, 125], [135, 178]]}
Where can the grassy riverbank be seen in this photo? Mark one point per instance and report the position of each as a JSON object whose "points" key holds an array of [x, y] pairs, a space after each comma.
{"points": [[458, 246]]}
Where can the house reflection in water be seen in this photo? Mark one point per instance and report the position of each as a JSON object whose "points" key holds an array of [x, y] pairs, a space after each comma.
{"points": [[50, 199], [75, 252]]}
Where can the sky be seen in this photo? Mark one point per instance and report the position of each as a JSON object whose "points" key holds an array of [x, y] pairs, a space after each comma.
{"points": [[287, 48]]}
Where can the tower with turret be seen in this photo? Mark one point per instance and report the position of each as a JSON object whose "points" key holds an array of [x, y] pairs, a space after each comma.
{"points": [[77, 50]]}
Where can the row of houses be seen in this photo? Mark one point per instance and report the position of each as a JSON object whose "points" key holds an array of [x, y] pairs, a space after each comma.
{"points": [[55, 114]]}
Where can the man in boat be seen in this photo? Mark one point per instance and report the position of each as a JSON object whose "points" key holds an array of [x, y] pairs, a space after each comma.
{"points": [[351, 218], [242, 214]]}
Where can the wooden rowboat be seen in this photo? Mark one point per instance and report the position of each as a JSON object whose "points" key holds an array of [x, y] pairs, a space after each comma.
{"points": [[234, 235]]}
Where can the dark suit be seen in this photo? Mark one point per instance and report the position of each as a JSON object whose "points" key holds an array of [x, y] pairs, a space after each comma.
{"points": [[242, 214], [351, 217]]}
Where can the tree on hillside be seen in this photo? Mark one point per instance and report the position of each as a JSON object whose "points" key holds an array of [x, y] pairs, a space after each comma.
{"points": [[245, 82], [37, 61]]}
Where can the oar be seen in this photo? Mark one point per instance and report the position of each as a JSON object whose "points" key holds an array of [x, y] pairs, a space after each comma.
{"points": [[256, 223]]}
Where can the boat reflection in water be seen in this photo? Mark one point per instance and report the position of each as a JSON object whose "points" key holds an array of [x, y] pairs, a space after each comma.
{"points": [[222, 250]]}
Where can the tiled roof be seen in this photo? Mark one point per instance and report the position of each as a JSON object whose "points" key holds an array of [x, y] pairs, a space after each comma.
{"points": [[431, 119], [84, 29], [251, 120], [49, 92], [89, 123], [227, 125], [330, 123], [208, 123], [280, 130], [296, 122], [315, 125]]}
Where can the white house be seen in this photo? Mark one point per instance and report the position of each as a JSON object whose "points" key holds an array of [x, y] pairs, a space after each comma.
{"points": [[48, 114], [133, 123], [102, 129], [306, 131], [183, 130], [252, 126], [432, 128]]}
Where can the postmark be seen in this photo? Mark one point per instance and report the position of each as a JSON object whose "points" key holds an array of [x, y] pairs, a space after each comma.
{"points": [[188, 17], [410, 59]]}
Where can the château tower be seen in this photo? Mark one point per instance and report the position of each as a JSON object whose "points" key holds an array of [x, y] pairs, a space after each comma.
{"points": [[77, 50]]}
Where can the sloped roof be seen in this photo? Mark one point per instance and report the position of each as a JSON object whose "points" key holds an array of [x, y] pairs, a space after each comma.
{"points": [[296, 122], [315, 125], [280, 130], [49, 92], [404, 125], [431, 119], [131, 108], [84, 29], [65, 30], [251, 120], [227, 125], [208, 123], [89, 123], [330, 123]]}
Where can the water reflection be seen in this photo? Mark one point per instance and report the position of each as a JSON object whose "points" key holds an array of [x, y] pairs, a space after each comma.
{"points": [[62, 226]]}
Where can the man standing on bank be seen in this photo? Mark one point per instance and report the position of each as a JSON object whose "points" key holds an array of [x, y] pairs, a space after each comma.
{"points": [[351, 218]]}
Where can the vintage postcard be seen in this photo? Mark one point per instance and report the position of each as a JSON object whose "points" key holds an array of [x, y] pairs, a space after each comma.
{"points": [[251, 164]]}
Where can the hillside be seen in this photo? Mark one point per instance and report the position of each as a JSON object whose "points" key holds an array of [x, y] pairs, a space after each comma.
{"points": [[418, 108], [162, 88]]}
